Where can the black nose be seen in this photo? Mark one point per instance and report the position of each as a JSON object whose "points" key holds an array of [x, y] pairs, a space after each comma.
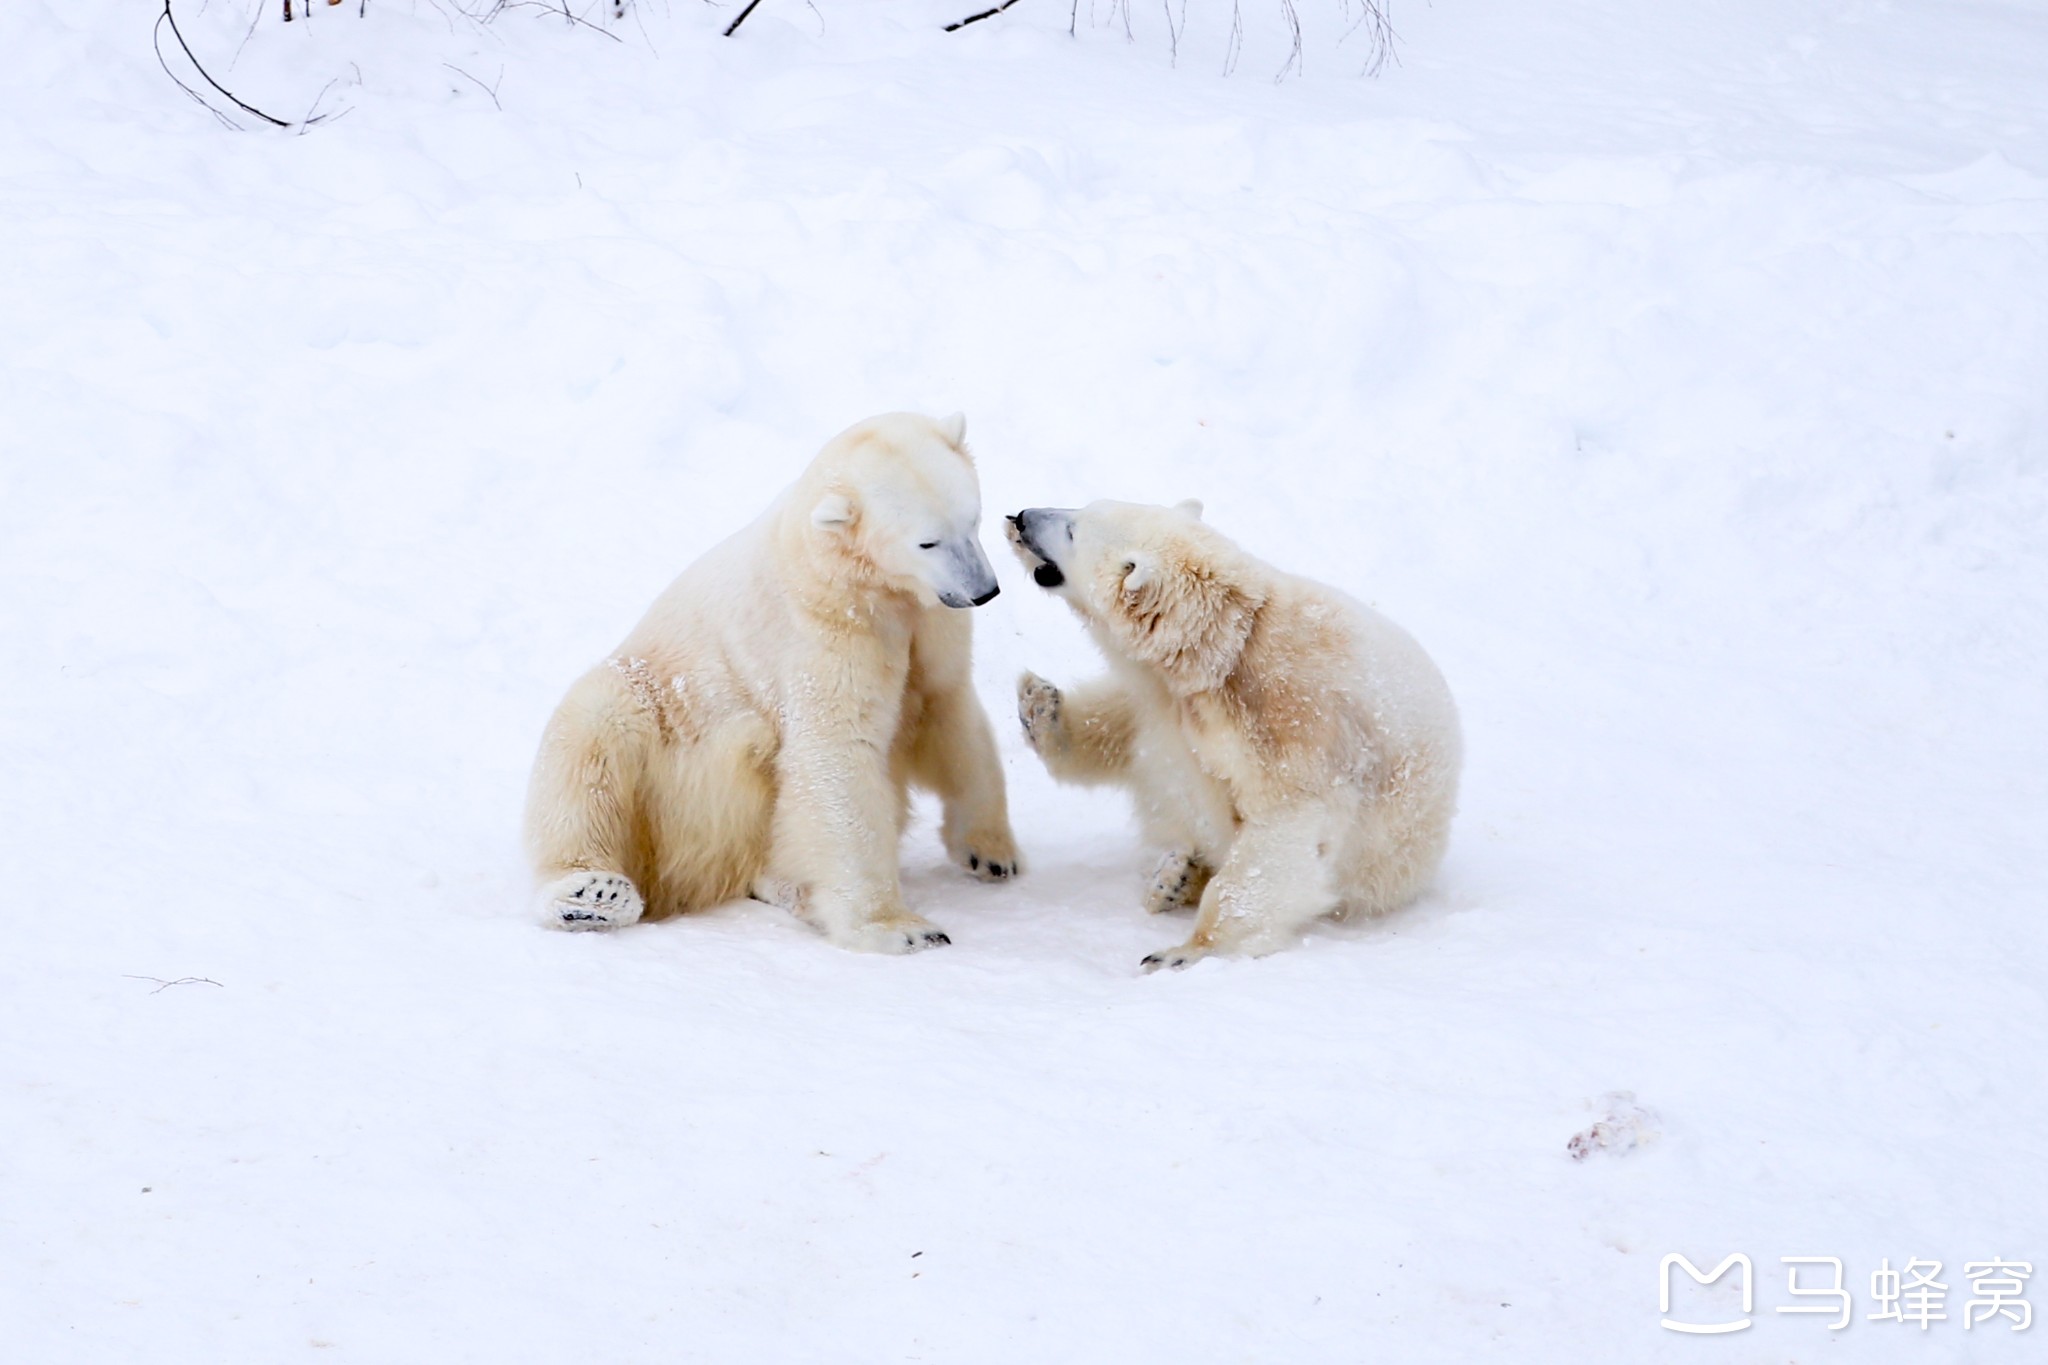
{"points": [[988, 596]]}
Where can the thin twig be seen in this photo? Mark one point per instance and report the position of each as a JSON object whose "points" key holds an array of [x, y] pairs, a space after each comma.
{"points": [[491, 90], [255, 18], [1380, 36], [573, 19], [645, 36], [163, 985], [304, 123], [1174, 31], [1293, 61], [335, 117], [734, 26], [985, 14]]}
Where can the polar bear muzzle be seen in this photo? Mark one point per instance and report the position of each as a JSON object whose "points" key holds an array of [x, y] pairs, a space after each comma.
{"points": [[1040, 533], [972, 579]]}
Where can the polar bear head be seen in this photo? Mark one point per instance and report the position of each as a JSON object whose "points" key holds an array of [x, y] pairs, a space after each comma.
{"points": [[1154, 583], [895, 501]]}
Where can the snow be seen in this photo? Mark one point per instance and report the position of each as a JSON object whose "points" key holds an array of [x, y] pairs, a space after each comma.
{"points": [[1676, 376]]}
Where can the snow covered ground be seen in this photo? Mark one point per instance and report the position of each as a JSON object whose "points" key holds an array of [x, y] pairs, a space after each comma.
{"points": [[1679, 375]]}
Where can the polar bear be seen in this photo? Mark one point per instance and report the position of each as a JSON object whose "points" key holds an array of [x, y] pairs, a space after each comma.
{"points": [[1294, 752], [757, 732]]}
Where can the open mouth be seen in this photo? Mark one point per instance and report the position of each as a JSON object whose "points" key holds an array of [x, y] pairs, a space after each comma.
{"points": [[1044, 573]]}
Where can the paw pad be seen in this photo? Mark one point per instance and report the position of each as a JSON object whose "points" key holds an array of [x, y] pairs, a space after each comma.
{"points": [[991, 869], [591, 900], [1038, 708], [1175, 882]]}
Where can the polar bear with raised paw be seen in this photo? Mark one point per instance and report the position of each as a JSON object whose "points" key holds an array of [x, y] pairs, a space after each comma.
{"points": [[1291, 751], [758, 732]]}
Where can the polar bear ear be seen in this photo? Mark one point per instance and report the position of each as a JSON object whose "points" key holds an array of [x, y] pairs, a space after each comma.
{"points": [[1139, 571], [1191, 508], [834, 509], [954, 429]]}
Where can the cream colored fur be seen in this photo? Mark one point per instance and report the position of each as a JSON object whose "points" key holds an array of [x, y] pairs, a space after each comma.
{"points": [[758, 731], [1292, 751]]}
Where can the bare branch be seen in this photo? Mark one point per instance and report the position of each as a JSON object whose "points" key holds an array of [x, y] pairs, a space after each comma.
{"points": [[155, 38], [959, 24], [734, 26]]}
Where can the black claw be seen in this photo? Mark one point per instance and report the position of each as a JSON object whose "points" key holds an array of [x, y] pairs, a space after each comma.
{"points": [[578, 894], [974, 861], [936, 938]]}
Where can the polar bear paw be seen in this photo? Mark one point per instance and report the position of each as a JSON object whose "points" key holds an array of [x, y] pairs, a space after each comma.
{"points": [[1038, 708], [904, 933], [996, 866], [1173, 959], [590, 900], [989, 854], [1176, 883]]}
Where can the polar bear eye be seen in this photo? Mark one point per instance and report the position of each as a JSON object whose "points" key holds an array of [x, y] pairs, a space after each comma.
{"points": [[927, 545]]}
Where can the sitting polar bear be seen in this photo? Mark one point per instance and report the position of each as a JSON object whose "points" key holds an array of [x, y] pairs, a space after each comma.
{"points": [[1294, 751], [757, 731]]}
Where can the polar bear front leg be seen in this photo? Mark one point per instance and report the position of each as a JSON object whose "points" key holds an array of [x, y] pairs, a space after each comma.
{"points": [[833, 847], [953, 753], [1274, 882], [1082, 734]]}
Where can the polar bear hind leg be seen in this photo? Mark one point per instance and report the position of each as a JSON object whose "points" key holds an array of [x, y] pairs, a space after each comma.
{"points": [[1274, 883], [709, 804], [581, 812]]}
